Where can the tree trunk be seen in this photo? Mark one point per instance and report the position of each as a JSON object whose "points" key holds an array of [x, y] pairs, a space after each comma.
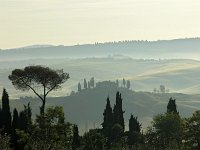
{"points": [[42, 108]]}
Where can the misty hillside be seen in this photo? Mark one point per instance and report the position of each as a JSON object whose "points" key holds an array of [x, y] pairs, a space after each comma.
{"points": [[178, 75], [179, 48], [86, 107]]}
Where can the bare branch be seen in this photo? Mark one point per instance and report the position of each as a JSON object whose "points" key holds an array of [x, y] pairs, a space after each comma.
{"points": [[32, 89]]}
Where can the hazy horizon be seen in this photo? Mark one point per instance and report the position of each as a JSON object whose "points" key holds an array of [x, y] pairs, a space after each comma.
{"points": [[102, 42], [71, 22]]}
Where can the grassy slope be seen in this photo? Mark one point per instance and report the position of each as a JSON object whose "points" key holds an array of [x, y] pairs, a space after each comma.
{"points": [[87, 106]]}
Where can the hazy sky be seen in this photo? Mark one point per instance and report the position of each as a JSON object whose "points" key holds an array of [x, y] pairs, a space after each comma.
{"points": [[68, 22]]}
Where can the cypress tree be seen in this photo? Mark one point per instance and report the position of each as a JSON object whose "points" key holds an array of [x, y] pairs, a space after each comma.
{"points": [[15, 125], [0, 117], [171, 106], [22, 120], [134, 125], [28, 111], [128, 84], [92, 82], [118, 112], [76, 138], [108, 122], [15, 122], [6, 114], [25, 117], [85, 84], [108, 116], [79, 87], [134, 135], [124, 82], [117, 83], [88, 85]]}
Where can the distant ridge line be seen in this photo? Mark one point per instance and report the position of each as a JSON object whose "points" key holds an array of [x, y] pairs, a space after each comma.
{"points": [[100, 43]]}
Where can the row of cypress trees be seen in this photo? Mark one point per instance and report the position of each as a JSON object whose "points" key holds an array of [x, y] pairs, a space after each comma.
{"points": [[113, 118], [10, 122]]}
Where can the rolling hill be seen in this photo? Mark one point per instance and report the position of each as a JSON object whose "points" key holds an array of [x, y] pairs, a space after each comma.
{"points": [[86, 107], [178, 75], [178, 48]]}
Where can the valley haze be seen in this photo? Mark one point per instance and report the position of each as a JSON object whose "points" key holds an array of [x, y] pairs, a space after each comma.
{"points": [[147, 64]]}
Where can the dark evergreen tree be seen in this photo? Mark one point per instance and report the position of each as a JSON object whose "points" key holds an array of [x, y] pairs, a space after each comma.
{"points": [[6, 114], [93, 140], [79, 87], [118, 112], [128, 84], [85, 84], [15, 125], [92, 82], [23, 120], [108, 116], [171, 106], [25, 117], [124, 82], [0, 118], [15, 121], [162, 89], [76, 138], [88, 85], [134, 125], [108, 122], [117, 133], [117, 82], [134, 135]]}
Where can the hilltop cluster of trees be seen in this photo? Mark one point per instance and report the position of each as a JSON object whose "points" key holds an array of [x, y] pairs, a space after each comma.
{"points": [[125, 83], [91, 84], [86, 84], [162, 89]]}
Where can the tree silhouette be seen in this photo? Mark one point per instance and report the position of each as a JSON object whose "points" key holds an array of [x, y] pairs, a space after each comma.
{"points": [[162, 88], [134, 135], [108, 116], [124, 82], [34, 77], [128, 84], [118, 112], [88, 85], [15, 121], [93, 140], [1, 117], [171, 106], [6, 114], [79, 87], [108, 121], [76, 138], [92, 82], [25, 117], [193, 133], [134, 125], [15, 125], [117, 82], [166, 129], [85, 84]]}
